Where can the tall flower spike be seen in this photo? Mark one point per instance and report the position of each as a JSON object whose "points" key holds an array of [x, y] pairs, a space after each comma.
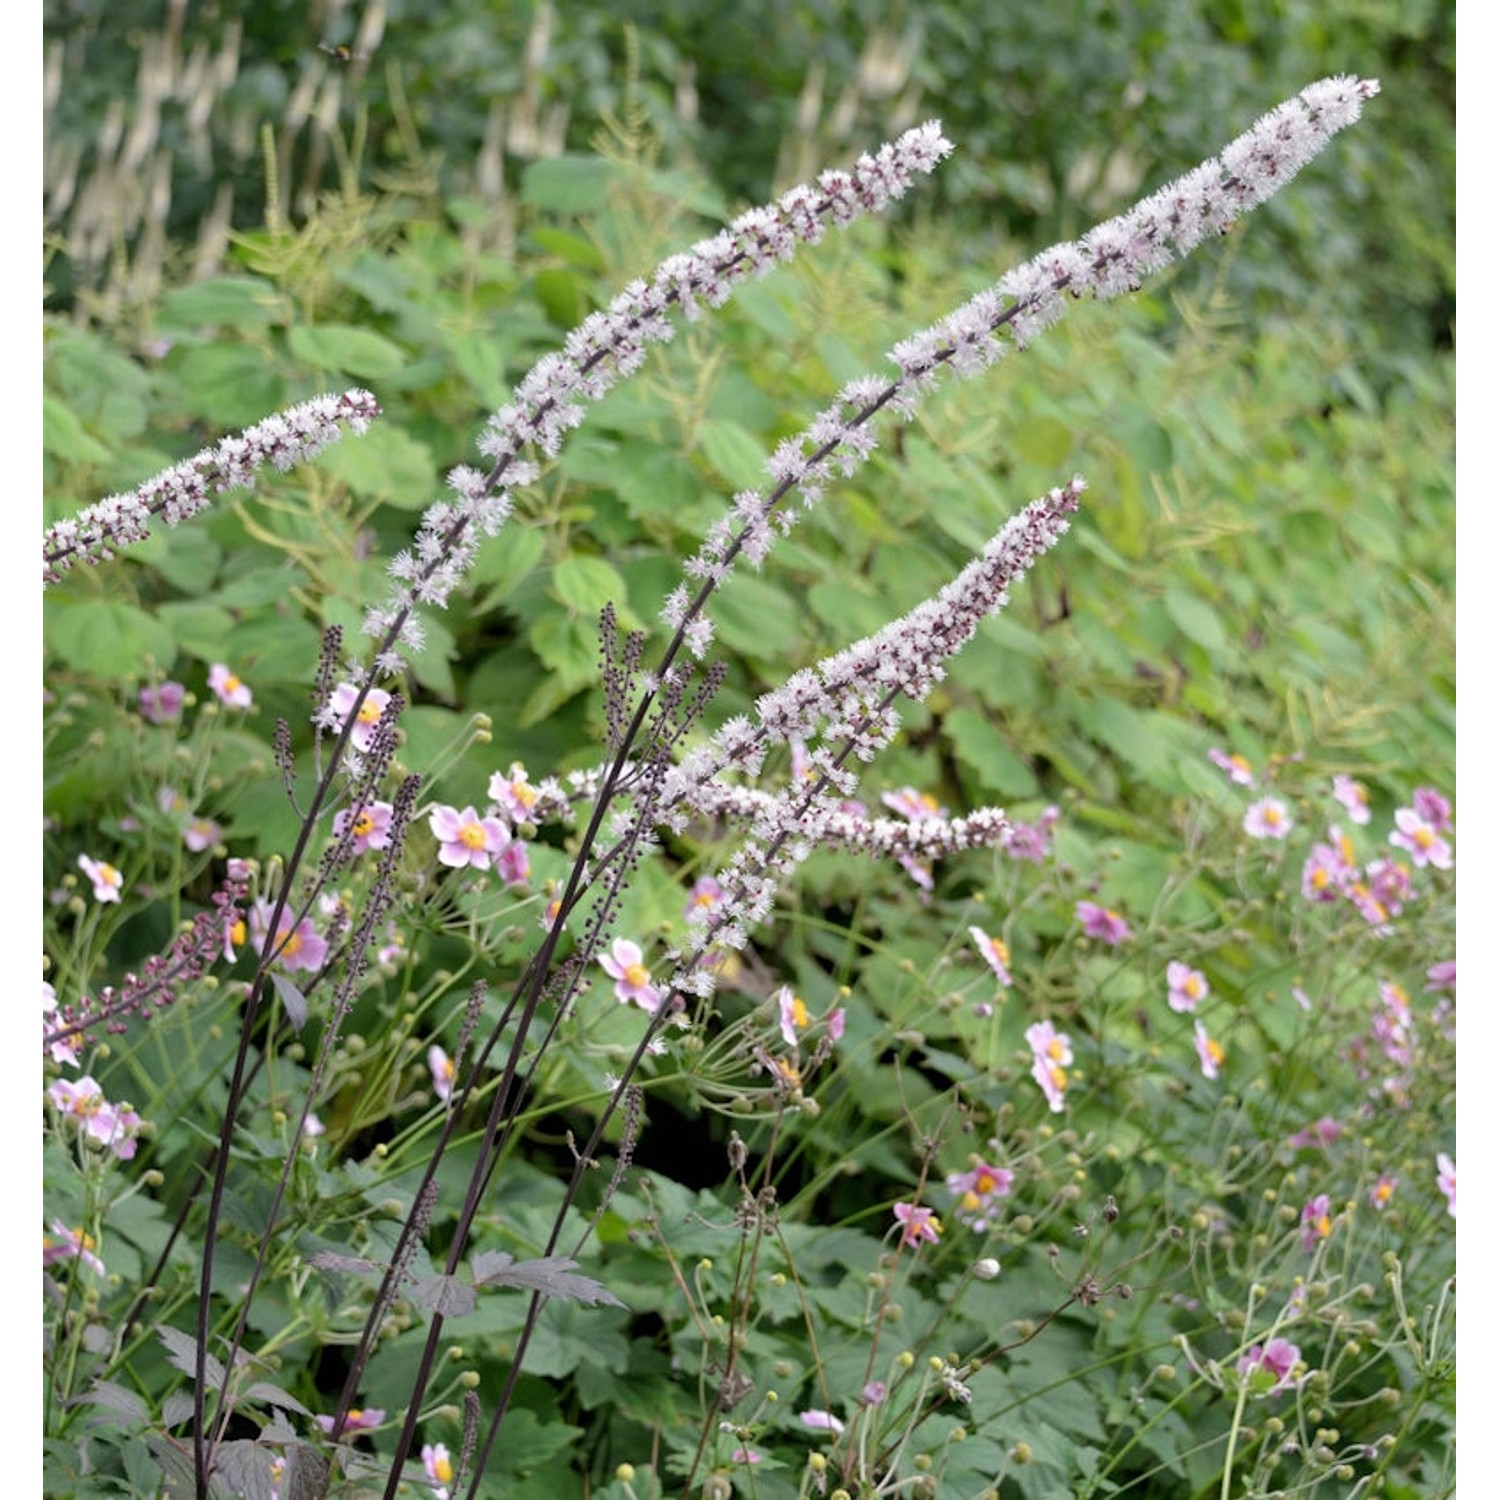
{"points": [[290, 437], [611, 345], [1112, 259]]}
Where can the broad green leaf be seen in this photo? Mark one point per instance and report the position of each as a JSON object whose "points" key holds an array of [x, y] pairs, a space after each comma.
{"points": [[1197, 619], [229, 385], [221, 302], [102, 639], [587, 584], [568, 184], [387, 464], [980, 744], [63, 435], [342, 346], [734, 454]]}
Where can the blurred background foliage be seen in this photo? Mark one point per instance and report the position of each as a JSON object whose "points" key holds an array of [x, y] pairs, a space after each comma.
{"points": [[168, 123]]}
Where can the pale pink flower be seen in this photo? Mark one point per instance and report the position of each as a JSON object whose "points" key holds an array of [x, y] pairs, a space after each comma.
{"points": [[299, 946], [917, 1223], [1353, 795], [1269, 1369], [1447, 1181], [794, 1016], [341, 705], [705, 898], [162, 703], [624, 963], [995, 952], [1235, 767], [1210, 1053], [112, 1125], [106, 880], [201, 834], [835, 1024], [442, 1068], [513, 794], [358, 1420], [744, 1456], [1433, 807], [1383, 1190], [370, 826], [1317, 1222], [1321, 1133], [514, 864], [1421, 840], [62, 1052], [1051, 1056], [1443, 976], [438, 1466], [1268, 819], [821, 1421], [70, 1244], [1103, 923], [978, 1192], [1330, 867], [1185, 987], [228, 688], [1032, 841], [911, 803], [465, 839]]}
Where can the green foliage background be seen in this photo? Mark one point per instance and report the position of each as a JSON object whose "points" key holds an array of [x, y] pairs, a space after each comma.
{"points": [[1264, 561]]}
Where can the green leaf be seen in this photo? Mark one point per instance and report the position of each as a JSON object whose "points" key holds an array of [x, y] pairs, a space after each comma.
{"points": [[100, 639], [386, 464], [1196, 619], [569, 247], [222, 302], [64, 436], [733, 453], [227, 384], [979, 744], [342, 346], [568, 184], [587, 584]]}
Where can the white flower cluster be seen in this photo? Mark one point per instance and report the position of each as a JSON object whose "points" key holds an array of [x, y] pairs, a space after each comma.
{"points": [[1113, 258], [290, 437], [610, 345]]}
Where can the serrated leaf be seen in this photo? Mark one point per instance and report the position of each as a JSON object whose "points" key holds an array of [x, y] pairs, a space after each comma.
{"points": [[341, 346], [103, 639], [223, 302], [273, 1395], [182, 1354], [176, 1408], [306, 1474], [292, 999], [119, 1400], [248, 1468], [570, 184], [355, 1265], [549, 1274], [734, 454], [1196, 619], [443, 1294], [587, 584]]}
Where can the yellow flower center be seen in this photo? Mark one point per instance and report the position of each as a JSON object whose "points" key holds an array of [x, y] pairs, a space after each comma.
{"points": [[1383, 1192], [1000, 950], [799, 1015], [1214, 1050], [472, 836], [637, 975], [1055, 1049], [442, 1470], [231, 683], [292, 945], [985, 1182], [1059, 1076], [1193, 989], [1425, 838], [363, 824]]}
